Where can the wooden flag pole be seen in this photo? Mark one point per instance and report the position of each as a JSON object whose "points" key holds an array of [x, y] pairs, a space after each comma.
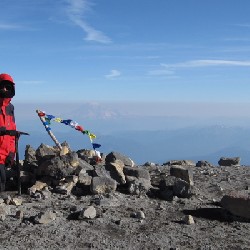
{"points": [[42, 118]]}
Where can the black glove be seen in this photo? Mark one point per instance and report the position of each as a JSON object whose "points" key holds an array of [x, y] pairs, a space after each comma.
{"points": [[9, 132], [9, 161]]}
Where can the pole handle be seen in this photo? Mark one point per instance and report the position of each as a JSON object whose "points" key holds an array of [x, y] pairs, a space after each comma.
{"points": [[48, 130]]}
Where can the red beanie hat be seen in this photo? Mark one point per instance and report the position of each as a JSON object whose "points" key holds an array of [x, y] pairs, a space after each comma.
{"points": [[6, 77]]}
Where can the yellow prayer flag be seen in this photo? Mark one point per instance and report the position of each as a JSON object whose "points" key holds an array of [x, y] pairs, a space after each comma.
{"points": [[92, 136], [57, 119]]}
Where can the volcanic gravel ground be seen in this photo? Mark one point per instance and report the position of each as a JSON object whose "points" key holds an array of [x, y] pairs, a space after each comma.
{"points": [[115, 228]]}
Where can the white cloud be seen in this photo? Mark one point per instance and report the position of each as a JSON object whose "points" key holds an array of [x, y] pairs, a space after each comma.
{"points": [[161, 72], [5, 26], [206, 63], [244, 25], [169, 70], [75, 11], [113, 74], [31, 82]]}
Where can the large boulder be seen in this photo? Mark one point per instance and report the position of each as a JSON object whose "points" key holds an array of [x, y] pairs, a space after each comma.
{"points": [[182, 189], [83, 178], [184, 173], [46, 151], [138, 186], [116, 171], [171, 186], [113, 156], [59, 167], [101, 171], [138, 180], [136, 172], [102, 185], [166, 185], [30, 162], [237, 204], [89, 156], [30, 154]]}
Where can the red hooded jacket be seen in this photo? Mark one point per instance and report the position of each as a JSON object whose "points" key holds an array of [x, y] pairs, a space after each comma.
{"points": [[7, 121]]}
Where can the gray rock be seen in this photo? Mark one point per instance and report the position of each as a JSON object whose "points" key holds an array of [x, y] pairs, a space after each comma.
{"points": [[30, 154], [166, 187], [237, 204], [38, 186], [182, 189], [203, 164], [45, 151], [102, 185], [16, 201], [113, 170], [149, 164], [89, 156], [184, 173], [59, 167], [65, 188], [180, 163], [111, 157], [46, 194], [84, 179], [19, 215], [44, 217], [7, 199], [138, 180], [84, 166], [189, 220], [171, 186], [136, 172], [3, 212], [101, 171], [87, 213], [140, 215], [229, 161], [138, 186], [167, 182], [116, 171]]}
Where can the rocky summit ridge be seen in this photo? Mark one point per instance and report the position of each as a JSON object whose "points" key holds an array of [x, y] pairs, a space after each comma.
{"points": [[75, 200]]}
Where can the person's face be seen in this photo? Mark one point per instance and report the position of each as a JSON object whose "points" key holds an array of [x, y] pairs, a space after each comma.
{"points": [[6, 89]]}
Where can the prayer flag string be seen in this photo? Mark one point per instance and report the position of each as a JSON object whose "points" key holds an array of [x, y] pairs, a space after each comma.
{"points": [[46, 120]]}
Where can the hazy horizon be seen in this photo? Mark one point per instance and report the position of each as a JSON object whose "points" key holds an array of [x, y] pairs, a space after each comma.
{"points": [[133, 129], [153, 115]]}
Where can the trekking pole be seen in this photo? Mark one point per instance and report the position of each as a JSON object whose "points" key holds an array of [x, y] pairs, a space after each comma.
{"points": [[42, 118], [17, 136]]}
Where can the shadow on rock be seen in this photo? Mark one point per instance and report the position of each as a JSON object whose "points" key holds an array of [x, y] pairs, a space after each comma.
{"points": [[218, 214], [73, 216]]}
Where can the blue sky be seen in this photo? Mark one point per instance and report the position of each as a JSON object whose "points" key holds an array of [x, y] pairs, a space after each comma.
{"points": [[124, 50]]}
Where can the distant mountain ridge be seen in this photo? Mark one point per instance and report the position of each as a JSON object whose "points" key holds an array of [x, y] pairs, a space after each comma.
{"points": [[193, 143]]}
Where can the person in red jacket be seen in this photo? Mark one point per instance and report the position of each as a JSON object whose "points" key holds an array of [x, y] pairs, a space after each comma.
{"points": [[7, 124]]}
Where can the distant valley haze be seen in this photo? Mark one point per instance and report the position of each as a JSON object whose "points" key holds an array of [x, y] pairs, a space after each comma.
{"points": [[154, 132]]}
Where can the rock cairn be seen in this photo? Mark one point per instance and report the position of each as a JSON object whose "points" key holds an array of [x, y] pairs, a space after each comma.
{"points": [[47, 170]]}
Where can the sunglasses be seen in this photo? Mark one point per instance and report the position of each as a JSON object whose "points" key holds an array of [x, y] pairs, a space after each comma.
{"points": [[6, 85], [7, 89]]}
